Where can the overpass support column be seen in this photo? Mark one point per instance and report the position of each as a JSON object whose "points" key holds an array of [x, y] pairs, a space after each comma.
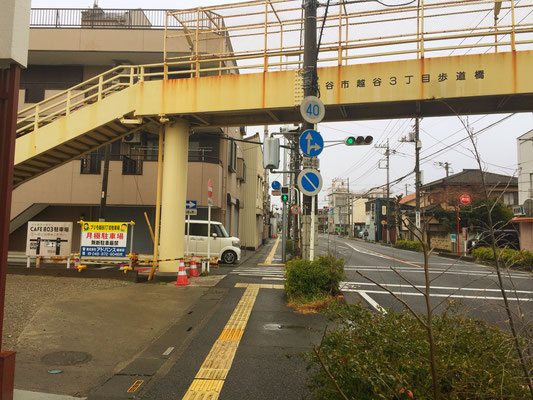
{"points": [[174, 194]]}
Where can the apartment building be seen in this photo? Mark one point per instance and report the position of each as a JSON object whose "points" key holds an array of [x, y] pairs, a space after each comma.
{"points": [[68, 46], [254, 211]]}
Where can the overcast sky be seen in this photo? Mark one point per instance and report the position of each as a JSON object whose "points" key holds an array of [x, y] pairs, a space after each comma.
{"points": [[498, 145]]}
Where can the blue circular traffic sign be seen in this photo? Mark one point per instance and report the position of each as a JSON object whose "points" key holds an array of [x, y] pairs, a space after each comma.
{"points": [[311, 143], [309, 181], [276, 185]]}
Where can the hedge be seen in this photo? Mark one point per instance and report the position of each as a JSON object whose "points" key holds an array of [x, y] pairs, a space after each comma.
{"points": [[408, 245], [312, 280], [509, 257]]}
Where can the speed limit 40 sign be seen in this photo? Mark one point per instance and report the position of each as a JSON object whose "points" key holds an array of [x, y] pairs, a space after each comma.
{"points": [[312, 109]]}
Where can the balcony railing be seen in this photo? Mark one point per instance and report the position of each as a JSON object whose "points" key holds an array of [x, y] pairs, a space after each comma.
{"points": [[106, 18]]}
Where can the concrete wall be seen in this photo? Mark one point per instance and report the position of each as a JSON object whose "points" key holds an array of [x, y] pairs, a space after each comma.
{"points": [[65, 185], [14, 32], [526, 236]]}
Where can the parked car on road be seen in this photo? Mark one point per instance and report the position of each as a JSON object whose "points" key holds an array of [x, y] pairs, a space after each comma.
{"points": [[505, 238], [222, 245]]}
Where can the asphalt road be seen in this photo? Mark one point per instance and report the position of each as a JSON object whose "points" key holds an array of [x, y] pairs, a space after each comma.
{"points": [[240, 340], [474, 286]]}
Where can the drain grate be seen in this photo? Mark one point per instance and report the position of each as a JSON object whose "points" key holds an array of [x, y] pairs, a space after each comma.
{"points": [[66, 358]]}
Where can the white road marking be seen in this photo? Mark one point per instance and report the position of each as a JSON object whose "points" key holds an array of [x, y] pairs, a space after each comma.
{"points": [[168, 351], [371, 301], [454, 296], [402, 286], [272, 279], [443, 272]]}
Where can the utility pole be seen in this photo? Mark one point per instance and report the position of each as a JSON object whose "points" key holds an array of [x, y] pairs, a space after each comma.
{"points": [[417, 165], [284, 209], [417, 172], [418, 145], [387, 157], [445, 165], [349, 209], [310, 86], [105, 177]]}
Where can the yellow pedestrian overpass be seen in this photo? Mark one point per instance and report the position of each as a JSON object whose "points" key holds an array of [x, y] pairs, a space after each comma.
{"points": [[437, 58]]}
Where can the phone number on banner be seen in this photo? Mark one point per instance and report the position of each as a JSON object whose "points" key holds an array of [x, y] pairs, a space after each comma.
{"points": [[87, 251]]}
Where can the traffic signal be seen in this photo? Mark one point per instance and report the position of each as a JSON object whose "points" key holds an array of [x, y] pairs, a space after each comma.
{"points": [[284, 194], [358, 140]]}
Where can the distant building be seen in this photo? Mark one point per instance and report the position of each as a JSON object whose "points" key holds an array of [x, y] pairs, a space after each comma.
{"points": [[524, 213], [253, 213], [446, 191], [444, 194], [339, 204]]}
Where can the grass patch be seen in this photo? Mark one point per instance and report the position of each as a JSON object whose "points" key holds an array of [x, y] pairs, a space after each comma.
{"points": [[312, 306]]}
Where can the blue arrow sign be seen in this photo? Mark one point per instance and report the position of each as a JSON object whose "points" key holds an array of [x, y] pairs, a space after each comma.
{"points": [[276, 185], [311, 143], [191, 205], [310, 181]]}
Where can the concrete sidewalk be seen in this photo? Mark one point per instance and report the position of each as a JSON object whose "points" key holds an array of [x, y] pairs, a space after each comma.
{"points": [[90, 335]]}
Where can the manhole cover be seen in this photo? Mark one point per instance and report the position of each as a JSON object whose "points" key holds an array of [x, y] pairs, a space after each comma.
{"points": [[66, 358]]}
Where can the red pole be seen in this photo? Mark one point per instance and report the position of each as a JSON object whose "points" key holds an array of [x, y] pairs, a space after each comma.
{"points": [[9, 90], [458, 227]]}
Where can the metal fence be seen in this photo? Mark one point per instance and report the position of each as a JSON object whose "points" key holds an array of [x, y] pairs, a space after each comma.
{"points": [[99, 18]]}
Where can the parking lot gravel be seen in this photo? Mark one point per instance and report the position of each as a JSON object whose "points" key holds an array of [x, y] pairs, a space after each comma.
{"points": [[26, 294]]}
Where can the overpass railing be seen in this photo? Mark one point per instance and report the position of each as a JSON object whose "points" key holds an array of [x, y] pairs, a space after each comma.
{"points": [[267, 35]]}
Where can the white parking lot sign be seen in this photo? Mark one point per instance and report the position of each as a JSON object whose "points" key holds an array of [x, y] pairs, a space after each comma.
{"points": [[49, 239]]}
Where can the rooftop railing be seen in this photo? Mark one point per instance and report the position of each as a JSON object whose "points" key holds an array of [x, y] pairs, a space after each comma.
{"points": [[99, 18]]}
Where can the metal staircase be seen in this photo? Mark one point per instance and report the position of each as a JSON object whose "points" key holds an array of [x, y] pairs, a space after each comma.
{"points": [[75, 122]]}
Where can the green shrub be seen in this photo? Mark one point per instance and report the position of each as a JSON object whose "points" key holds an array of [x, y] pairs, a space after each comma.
{"points": [[384, 356], [312, 280], [288, 246], [409, 245], [483, 253], [509, 257]]}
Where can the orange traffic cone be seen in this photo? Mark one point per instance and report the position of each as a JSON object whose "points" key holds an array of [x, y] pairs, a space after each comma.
{"points": [[193, 270], [182, 275]]}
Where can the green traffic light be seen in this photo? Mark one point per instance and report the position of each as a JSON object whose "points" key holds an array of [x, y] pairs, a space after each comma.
{"points": [[350, 140], [284, 197]]}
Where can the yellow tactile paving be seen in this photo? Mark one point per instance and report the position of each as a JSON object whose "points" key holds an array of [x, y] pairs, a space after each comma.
{"points": [[211, 375], [270, 256], [201, 389], [231, 334]]}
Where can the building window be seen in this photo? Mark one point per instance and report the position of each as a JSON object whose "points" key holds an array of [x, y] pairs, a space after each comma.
{"points": [[33, 94], [232, 156], [204, 148], [510, 199], [132, 166], [241, 169], [91, 163]]}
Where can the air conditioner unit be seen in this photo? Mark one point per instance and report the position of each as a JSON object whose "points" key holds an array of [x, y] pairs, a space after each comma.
{"points": [[519, 211], [132, 138]]}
